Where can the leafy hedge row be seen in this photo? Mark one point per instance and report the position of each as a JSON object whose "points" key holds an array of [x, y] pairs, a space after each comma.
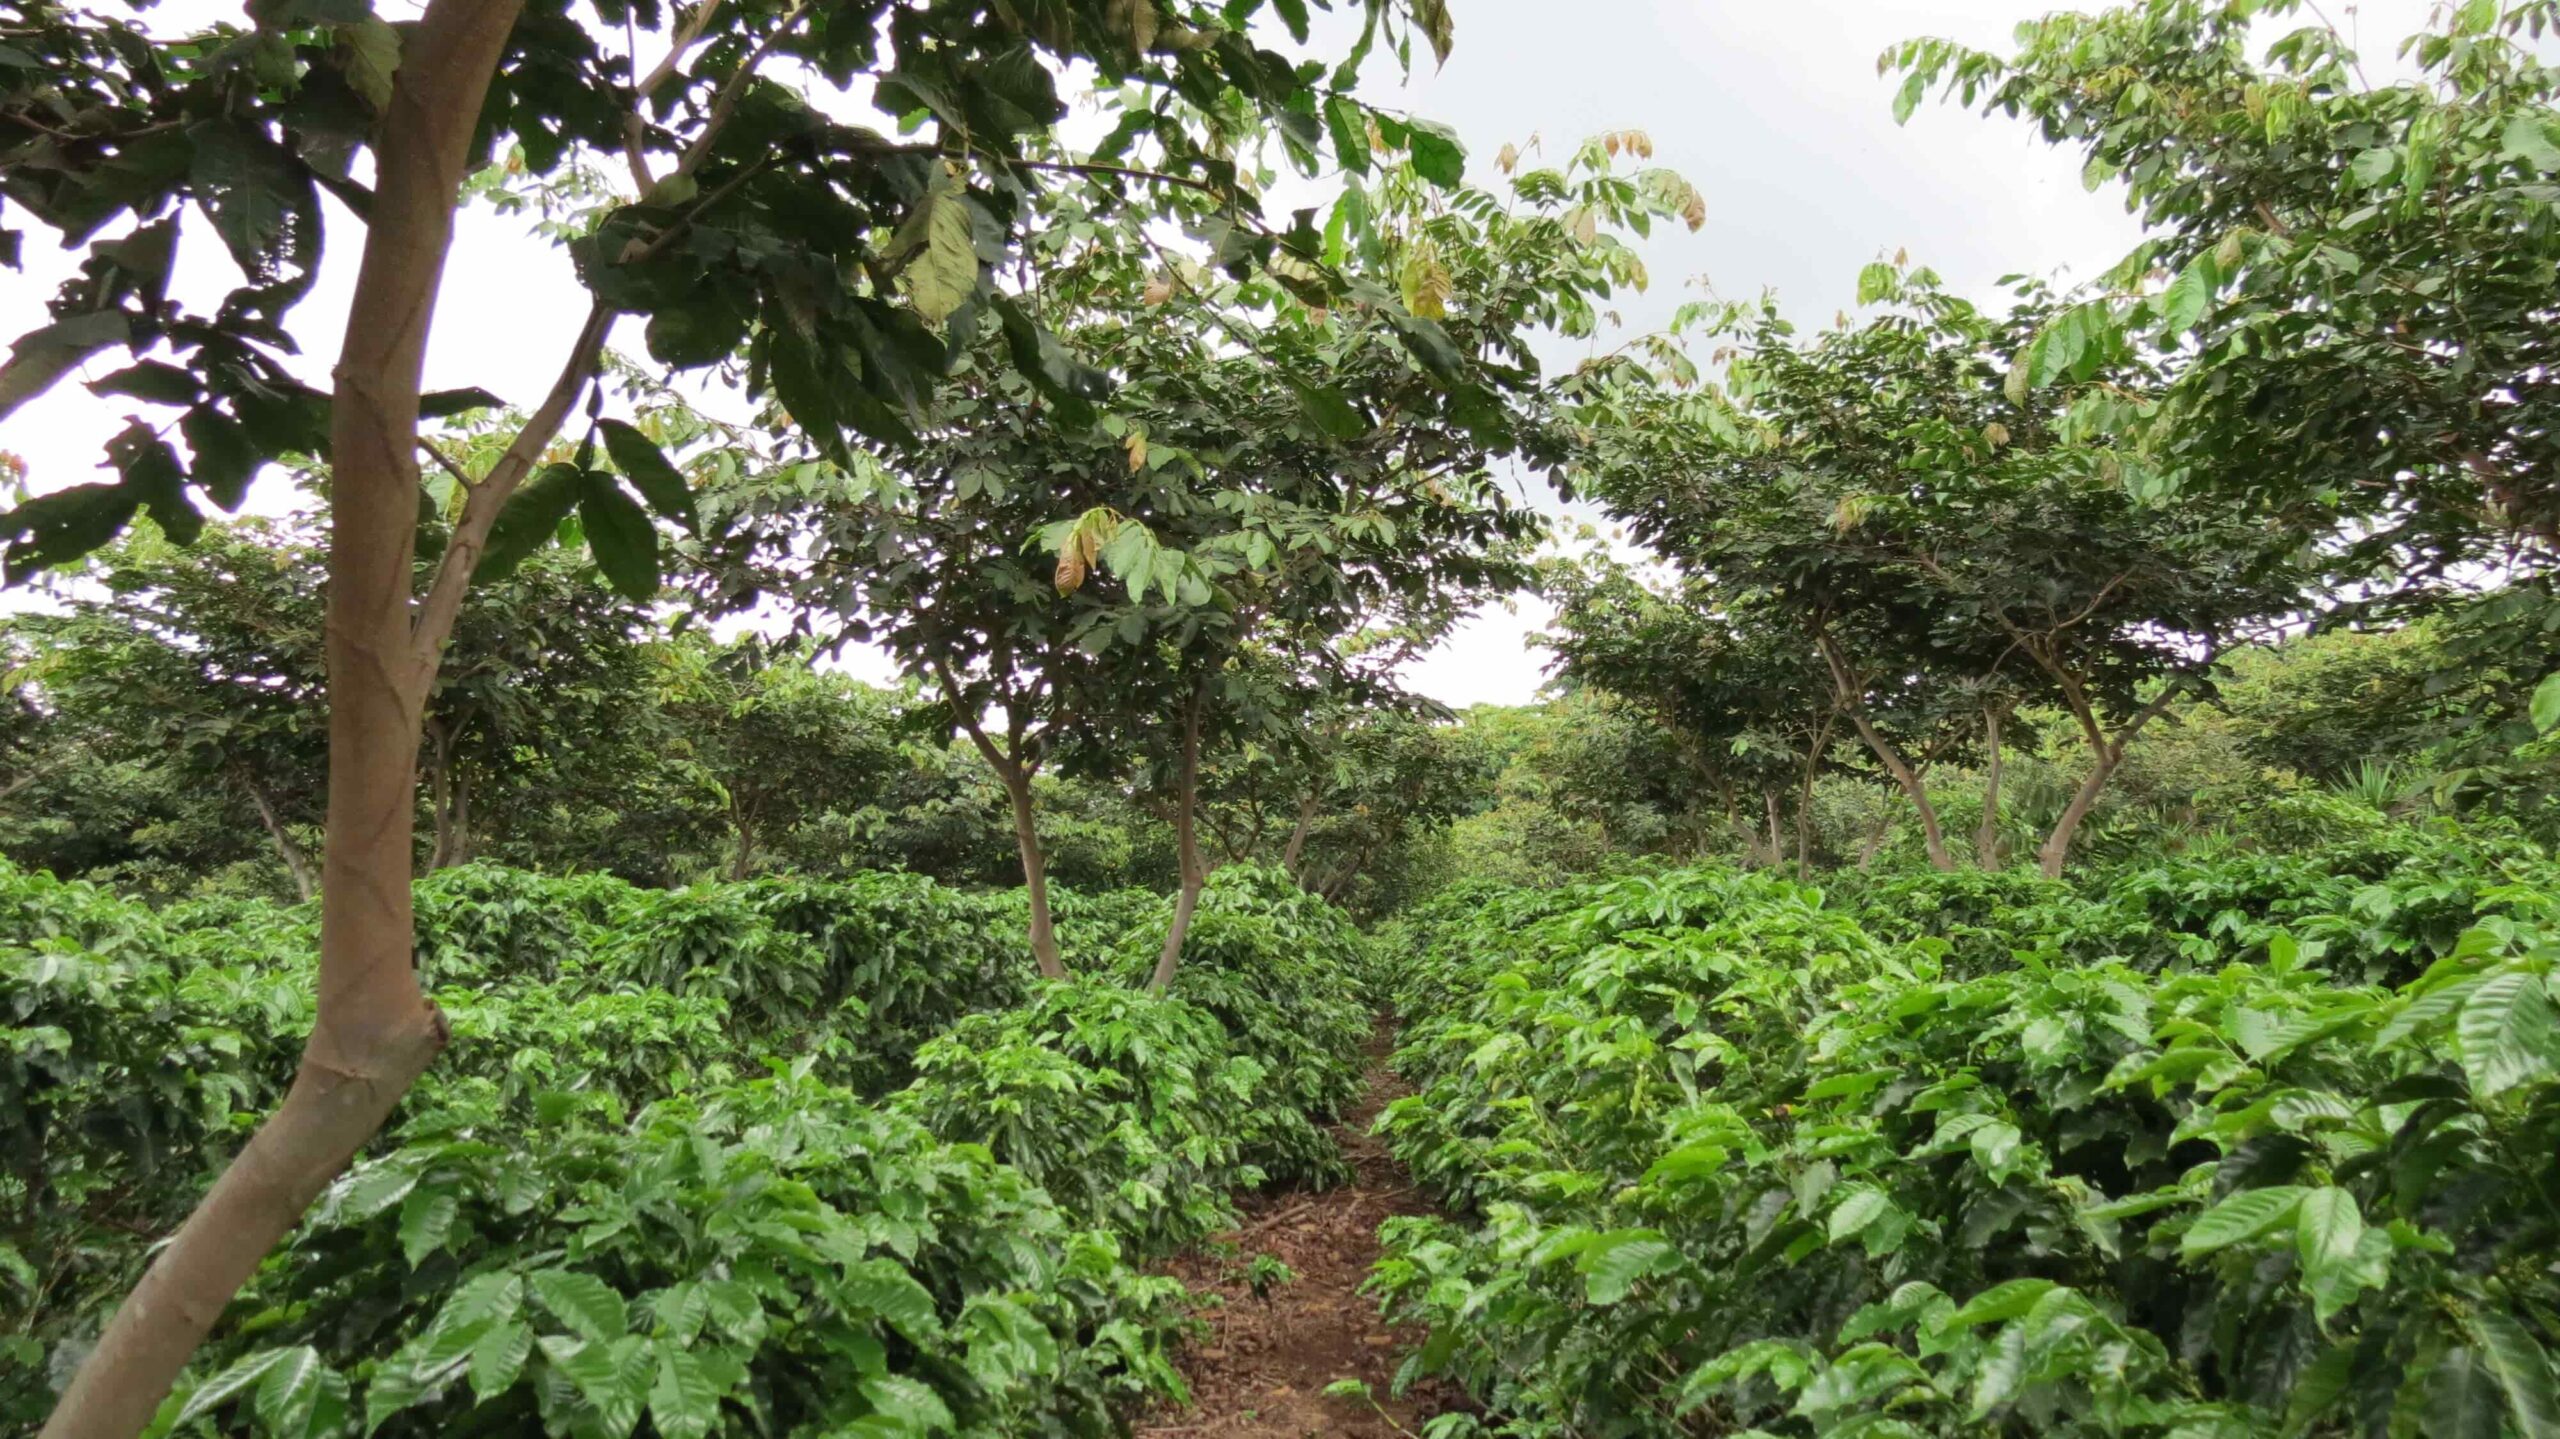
{"points": [[1731, 1163], [666, 1180]]}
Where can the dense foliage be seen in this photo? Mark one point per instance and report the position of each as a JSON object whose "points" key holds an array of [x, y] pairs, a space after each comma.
{"points": [[2249, 1143], [701, 1156]]}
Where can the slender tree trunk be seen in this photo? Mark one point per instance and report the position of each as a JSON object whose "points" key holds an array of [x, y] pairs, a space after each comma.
{"points": [[462, 841], [440, 794], [1186, 839], [374, 1032], [1804, 797], [1850, 693], [2056, 850], [1933, 836], [1875, 838], [1777, 847], [1293, 856], [1035, 867], [296, 863], [1986, 835], [742, 859]]}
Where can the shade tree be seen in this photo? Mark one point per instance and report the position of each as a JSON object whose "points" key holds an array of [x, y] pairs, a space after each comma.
{"points": [[1081, 582], [837, 261], [1950, 543], [2356, 267]]}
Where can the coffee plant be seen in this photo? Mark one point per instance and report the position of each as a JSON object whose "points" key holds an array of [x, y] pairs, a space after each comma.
{"points": [[2234, 1145], [782, 1156]]}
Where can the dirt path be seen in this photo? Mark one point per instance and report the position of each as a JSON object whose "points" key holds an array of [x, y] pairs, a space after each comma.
{"points": [[1262, 1369]]}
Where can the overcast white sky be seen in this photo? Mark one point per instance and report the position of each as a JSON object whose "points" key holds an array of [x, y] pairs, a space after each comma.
{"points": [[1774, 111]]}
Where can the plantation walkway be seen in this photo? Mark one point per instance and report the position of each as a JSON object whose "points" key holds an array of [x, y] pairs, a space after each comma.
{"points": [[1261, 1371]]}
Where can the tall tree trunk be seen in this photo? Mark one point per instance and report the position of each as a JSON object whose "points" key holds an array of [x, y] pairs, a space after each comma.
{"points": [[1777, 853], [296, 863], [742, 859], [1186, 839], [1933, 836], [462, 841], [440, 792], [1293, 856], [1875, 837], [1986, 835], [1804, 796], [374, 1032], [2056, 849], [1035, 865], [1851, 696]]}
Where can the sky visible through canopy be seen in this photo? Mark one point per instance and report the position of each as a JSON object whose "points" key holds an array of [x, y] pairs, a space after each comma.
{"points": [[1775, 112]]}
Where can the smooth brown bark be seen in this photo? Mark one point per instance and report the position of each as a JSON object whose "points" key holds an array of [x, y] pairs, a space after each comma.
{"points": [[1186, 838], [1933, 836], [374, 1032], [1875, 839], [1986, 835], [1035, 865]]}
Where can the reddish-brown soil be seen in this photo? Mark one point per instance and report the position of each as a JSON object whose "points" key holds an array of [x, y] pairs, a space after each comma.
{"points": [[1261, 1370]]}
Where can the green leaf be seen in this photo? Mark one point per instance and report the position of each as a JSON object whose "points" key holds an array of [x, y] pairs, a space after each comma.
{"points": [[2189, 295], [301, 1396], [1864, 1205], [426, 1218], [532, 515], [2508, 1031], [2532, 138], [1614, 1262], [1877, 281], [2240, 1217], [2327, 1226], [911, 1402], [884, 1287], [372, 58], [152, 380], [1332, 411], [585, 1303], [647, 467], [2374, 167], [253, 193], [684, 1402], [940, 253], [2522, 1370], [223, 1386], [2546, 703], [442, 404], [1907, 99], [483, 1299], [1350, 129], [601, 1378], [619, 535], [1437, 155], [497, 1359], [2000, 1302], [2463, 1399]]}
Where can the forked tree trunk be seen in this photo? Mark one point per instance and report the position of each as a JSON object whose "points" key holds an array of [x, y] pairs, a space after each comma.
{"points": [[1186, 839], [742, 858], [374, 1031], [1986, 835], [1035, 865]]}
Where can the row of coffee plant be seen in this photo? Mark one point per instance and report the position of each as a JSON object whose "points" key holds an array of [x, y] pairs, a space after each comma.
{"points": [[2221, 1145], [770, 1157]]}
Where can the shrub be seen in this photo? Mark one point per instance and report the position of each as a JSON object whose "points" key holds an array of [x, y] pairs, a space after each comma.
{"points": [[1726, 1162]]}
